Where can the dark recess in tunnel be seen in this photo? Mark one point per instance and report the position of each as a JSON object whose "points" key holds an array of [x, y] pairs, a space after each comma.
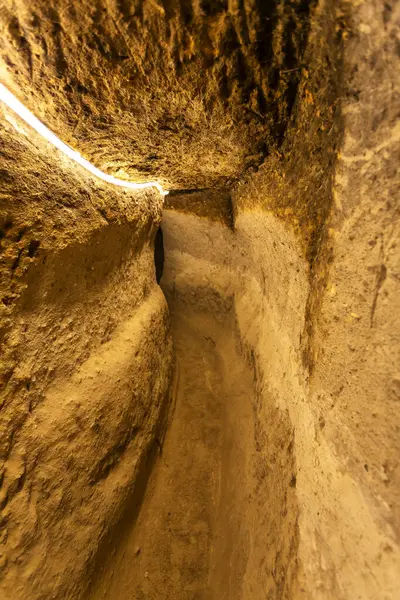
{"points": [[159, 254]]}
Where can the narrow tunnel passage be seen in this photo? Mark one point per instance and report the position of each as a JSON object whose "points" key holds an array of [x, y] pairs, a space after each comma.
{"points": [[216, 523], [232, 434], [181, 544]]}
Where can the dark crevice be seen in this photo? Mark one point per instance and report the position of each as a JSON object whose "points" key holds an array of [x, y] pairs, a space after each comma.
{"points": [[213, 7], [159, 254], [268, 20], [187, 11], [190, 191]]}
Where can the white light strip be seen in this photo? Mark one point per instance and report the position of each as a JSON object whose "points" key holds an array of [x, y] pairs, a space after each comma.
{"points": [[12, 102]]}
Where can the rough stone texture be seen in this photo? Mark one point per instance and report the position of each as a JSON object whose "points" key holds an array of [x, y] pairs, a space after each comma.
{"points": [[191, 92], [354, 387], [288, 111], [86, 363], [350, 536]]}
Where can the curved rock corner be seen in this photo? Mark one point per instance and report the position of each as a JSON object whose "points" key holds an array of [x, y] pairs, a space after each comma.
{"points": [[234, 433]]}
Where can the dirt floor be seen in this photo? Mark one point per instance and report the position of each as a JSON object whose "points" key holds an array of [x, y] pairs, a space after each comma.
{"points": [[180, 547]]}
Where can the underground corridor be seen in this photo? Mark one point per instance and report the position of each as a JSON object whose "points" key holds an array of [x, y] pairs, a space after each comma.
{"points": [[199, 285]]}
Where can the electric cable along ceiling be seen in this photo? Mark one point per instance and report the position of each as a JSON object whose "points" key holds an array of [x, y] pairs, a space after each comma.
{"points": [[12, 102]]}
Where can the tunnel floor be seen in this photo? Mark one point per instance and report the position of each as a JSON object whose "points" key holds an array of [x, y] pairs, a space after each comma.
{"points": [[181, 545]]}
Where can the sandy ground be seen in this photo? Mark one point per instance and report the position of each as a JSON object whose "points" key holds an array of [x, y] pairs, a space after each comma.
{"points": [[180, 547]]}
